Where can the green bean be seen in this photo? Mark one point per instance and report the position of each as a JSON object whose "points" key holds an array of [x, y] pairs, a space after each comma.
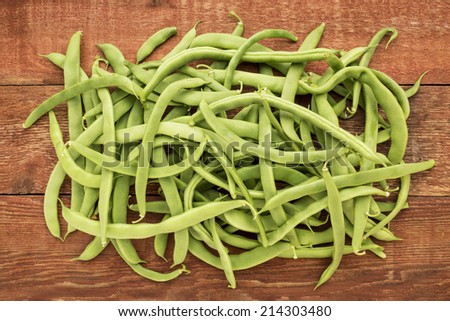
{"points": [[310, 238], [273, 83], [225, 41], [67, 162], [200, 233], [72, 77], [119, 215], [362, 204], [56, 58], [116, 96], [150, 274], [336, 64], [153, 207], [145, 230], [166, 128], [155, 40], [148, 107], [337, 225], [276, 124], [176, 112], [236, 240], [139, 73], [211, 83], [339, 107], [219, 182], [378, 250], [184, 97], [389, 206], [91, 134], [90, 197], [185, 42], [62, 96], [237, 57], [322, 252], [348, 180], [115, 58], [197, 230], [238, 31], [396, 90], [233, 41], [242, 261], [305, 131], [401, 200], [160, 242], [321, 106], [59, 59], [203, 174], [382, 137], [107, 176], [249, 130], [175, 205], [51, 195], [74, 107], [382, 234], [245, 221], [92, 250], [223, 254], [223, 159], [227, 164], [364, 62], [290, 86], [415, 88]]}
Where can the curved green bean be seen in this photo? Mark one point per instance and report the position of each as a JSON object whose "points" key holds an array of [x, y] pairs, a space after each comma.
{"points": [[145, 230], [155, 40], [99, 82]]}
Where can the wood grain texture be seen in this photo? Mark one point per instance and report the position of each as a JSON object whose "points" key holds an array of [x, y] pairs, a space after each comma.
{"points": [[31, 27], [35, 266]]}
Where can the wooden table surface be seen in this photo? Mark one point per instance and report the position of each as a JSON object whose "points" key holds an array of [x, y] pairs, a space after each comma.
{"points": [[36, 266]]}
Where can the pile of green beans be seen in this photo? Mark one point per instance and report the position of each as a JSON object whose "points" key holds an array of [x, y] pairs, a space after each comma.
{"points": [[243, 144]]}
